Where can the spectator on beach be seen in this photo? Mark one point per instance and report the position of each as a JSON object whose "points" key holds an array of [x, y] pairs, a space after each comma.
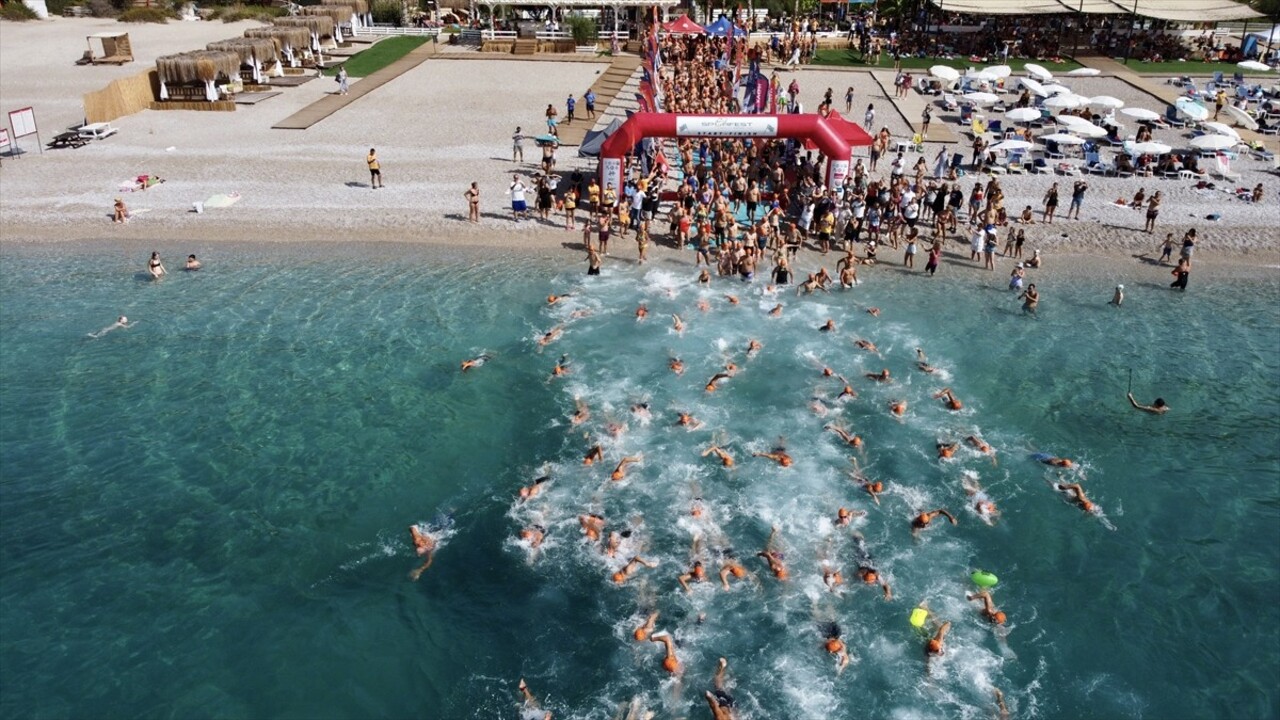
{"points": [[519, 208], [1077, 198], [551, 119], [120, 212], [569, 105], [517, 146], [375, 169], [473, 202], [341, 77], [590, 99]]}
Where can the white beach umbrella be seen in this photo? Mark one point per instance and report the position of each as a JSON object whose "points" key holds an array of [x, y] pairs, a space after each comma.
{"points": [[1191, 108], [982, 98], [1023, 114], [945, 72], [1071, 120], [1085, 72], [1149, 148], [1141, 113], [1088, 130], [1011, 145], [1067, 100], [1038, 72], [1063, 139], [1218, 128], [1213, 142], [1056, 88], [999, 71], [1241, 117], [1034, 86], [1106, 101], [1253, 65]]}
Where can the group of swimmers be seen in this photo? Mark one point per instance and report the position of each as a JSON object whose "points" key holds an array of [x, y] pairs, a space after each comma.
{"points": [[155, 267]]}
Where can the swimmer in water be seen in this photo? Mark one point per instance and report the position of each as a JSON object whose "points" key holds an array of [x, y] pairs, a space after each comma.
{"points": [[192, 264], [847, 391], [642, 312], [989, 610], [753, 347], [779, 455], [718, 377], [921, 521], [733, 299], [1075, 493], [121, 322], [669, 661], [615, 541], [676, 323], [704, 277], [873, 488], [953, 402], [844, 435], [641, 410], [594, 454], [776, 311], [643, 632], [696, 508], [867, 572], [592, 526], [773, 557], [676, 366], [866, 345], [831, 577], [551, 336], [475, 362], [922, 362], [935, 646], [689, 422], [1054, 461], [533, 535], [720, 701], [946, 450], [530, 491], [624, 574], [1158, 408], [882, 376], [828, 326], [620, 471], [1003, 710], [581, 412], [553, 299], [898, 407], [562, 367], [844, 516], [423, 544], [725, 458], [731, 566], [980, 445], [873, 311], [704, 305], [696, 573], [835, 646], [529, 701], [982, 505]]}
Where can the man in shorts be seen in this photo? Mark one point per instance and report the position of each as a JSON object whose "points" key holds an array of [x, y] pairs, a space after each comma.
{"points": [[1077, 198], [375, 169]]}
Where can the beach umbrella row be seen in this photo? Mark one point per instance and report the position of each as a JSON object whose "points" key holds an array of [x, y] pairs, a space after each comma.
{"points": [[1066, 100], [1106, 101], [981, 98]]}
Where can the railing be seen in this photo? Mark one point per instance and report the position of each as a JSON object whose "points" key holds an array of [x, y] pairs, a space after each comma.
{"points": [[553, 35], [499, 34], [392, 30]]}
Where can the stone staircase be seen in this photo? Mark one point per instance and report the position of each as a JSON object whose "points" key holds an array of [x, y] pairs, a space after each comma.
{"points": [[525, 47]]}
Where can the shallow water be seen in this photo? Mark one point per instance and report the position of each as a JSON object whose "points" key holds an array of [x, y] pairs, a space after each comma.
{"points": [[205, 513]]}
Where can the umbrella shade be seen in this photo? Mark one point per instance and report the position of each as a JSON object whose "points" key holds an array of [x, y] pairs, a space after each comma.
{"points": [[944, 72], [1106, 101], [1023, 114], [1038, 72], [999, 71], [1071, 120], [1088, 130], [1056, 88], [1213, 142], [1141, 113], [1085, 72], [1253, 65], [1034, 86], [1191, 108], [1241, 117], [981, 98], [1063, 139], [1011, 145], [1218, 128], [1065, 101], [981, 75], [1150, 148]]}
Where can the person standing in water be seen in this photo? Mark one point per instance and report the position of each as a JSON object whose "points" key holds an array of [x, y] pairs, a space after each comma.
{"points": [[1030, 299], [154, 267]]}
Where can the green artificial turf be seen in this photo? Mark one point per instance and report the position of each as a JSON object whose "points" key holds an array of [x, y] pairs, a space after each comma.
{"points": [[380, 55]]}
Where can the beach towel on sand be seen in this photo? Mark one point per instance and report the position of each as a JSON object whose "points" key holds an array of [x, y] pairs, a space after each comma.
{"points": [[222, 201]]}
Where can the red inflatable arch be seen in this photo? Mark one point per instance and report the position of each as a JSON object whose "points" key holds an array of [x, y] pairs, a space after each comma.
{"points": [[834, 136]]}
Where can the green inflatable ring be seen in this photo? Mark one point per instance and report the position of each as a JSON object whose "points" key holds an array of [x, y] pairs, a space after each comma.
{"points": [[984, 579]]}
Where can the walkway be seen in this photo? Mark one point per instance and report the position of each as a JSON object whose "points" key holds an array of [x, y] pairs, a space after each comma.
{"points": [[1167, 94], [330, 104], [606, 88], [911, 108]]}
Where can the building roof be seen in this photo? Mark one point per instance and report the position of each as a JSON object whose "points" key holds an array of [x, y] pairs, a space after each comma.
{"points": [[1176, 10]]}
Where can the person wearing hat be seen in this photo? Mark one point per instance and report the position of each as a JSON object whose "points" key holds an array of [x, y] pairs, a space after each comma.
{"points": [[1016, 277], [1035, 260]]}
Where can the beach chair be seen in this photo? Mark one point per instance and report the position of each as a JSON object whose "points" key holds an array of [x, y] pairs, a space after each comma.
{"points": [[1039, 165], [1173, 117], [966, 115], [1262, 153], [1014, 166], [949, 102], [1216, 81], [957, 160], [1238, 78], [1052, 151], [996, 127]]}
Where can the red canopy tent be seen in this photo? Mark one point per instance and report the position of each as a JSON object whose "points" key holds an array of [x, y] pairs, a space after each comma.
{"points": [[683, 26]]}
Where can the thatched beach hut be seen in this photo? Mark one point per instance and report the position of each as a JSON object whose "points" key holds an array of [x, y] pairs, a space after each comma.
{"points": [[294, 42], [199, 69], [320, 27], [359, 12], [339, 14], [256, 53]]}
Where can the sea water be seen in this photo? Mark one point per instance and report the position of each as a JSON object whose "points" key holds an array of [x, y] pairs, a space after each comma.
{"points": [[205, 514]]}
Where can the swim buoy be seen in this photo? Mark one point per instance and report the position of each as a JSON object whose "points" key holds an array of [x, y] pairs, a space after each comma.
{"points": [[918, 616], [983, 579]]}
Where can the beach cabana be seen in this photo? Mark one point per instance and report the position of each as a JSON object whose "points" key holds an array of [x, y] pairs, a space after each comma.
{"points": [[294, 43], [337, 13], [255, 53], [683, 26], [195, 75], [320, 27], [359, 12]]}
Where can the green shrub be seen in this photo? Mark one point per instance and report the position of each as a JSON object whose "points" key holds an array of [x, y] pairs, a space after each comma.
{"points": [[57, 7], [583, 29], [145, 15], [387, 11], [17, 12], [101, 9]]}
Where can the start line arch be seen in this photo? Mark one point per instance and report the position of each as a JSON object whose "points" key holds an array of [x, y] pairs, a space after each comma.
{"points": [[834, 136]]}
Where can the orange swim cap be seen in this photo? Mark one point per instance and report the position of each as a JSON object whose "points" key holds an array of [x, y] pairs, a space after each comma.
{"points": [[785, 461], [1088, 506], [640, 634], [877, 487], [697, 571], [834, 645], [842, 513], [618, 475], [868, 576], [619, 577], [934, 647], [998, 618], [670, 664], [737, 571]]}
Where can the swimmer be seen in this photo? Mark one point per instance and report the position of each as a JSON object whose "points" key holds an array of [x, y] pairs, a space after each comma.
{"points": [[1157, 408], [1076, 494], [989, 610], [882, 376], [720, 702], [615, 429], [725, 458], [121, 322], [534, 536], [776, 311], [553, 299], [475, 362], [711, 384], [733, 299], [592, 526], [689, 422], [620, 471], [953, 402], [835, 646], [935, 644], [753, 347], [773, 557], [866, 345], [982, 505], [831, 577], [696, 573], [946, 450], [641, 410], [827, 372], [844, 435], [980, 445], [562, 367], [873, 489], [615, 541], [551, 336], [873, 311], [921, 521], [779, 455], [867, 572], [642, 312], [529, 701], [423, 544], [676, 323], [922, 362], [192, 264], [1054, 461], [898, 407], [810, 285], [594, 454], [847, 391], [704, 277], [643, 632], [531, 491], [828, 326], [581, 413], [844, 516], [676, 366], [155, 267], [669, 662], [703, 305], [818, 407], [622, 575], [696, 508], [731, 566], [584, 312], [731, 368]]}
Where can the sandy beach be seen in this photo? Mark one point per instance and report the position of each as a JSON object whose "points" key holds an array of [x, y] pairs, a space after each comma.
{"points": [[441, 126]]}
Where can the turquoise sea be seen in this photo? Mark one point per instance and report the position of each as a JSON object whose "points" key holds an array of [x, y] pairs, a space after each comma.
{"points": [[206, 514]]}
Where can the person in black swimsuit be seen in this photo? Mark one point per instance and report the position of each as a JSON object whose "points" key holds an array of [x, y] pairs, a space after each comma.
{"points": [[155, 267]]}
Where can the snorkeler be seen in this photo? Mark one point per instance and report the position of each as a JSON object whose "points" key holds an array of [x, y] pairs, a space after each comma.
{"points": [[624, 574], [620, 471], [669, 661], [1075, 493], [475, 362], [989, 610], [921, 521], [844, 435], [953, 402], [773, 557], [835, 646], [779, 455], [530, 491], [1157, 408], [423, 544], [720, 701]]}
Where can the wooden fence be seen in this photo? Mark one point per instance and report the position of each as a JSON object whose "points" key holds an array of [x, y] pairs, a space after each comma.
{"points": [[122, 97]]}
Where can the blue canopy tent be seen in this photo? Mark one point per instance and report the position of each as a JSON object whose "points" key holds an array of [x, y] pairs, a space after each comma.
{"points": [[719, 28]]}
